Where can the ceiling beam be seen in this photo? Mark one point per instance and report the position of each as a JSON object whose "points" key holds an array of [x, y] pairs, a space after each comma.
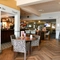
{"points": [[24, 4], [31, 10], [30, 2]]}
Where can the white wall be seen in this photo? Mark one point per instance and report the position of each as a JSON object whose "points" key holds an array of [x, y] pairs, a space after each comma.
{"points": [[57, 27], [53, 15]]}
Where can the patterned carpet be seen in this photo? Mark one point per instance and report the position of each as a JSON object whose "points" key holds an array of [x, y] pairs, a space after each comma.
{"points": [[6, 45]]}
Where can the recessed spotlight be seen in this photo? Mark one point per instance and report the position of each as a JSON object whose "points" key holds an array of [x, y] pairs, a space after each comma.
{"points": [[41, 10]]}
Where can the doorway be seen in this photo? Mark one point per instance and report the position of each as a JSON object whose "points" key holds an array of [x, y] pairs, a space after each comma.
{"points": [[7, 29], [7, 11]]}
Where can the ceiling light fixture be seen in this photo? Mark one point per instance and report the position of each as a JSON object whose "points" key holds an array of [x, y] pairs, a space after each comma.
{"points": [[39, 21], [41, 10]]}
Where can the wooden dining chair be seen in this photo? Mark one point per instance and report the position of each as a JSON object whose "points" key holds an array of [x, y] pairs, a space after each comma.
{"points": [[20, 46]]}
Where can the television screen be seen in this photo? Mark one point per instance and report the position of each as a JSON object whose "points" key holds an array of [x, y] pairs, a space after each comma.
{"points": [[47, 24]]}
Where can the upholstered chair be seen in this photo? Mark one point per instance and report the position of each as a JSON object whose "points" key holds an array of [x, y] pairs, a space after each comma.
{"points": [[33, 31], [20, 46], [36, 42], [12, 37], [27, 31], [47, 35]]}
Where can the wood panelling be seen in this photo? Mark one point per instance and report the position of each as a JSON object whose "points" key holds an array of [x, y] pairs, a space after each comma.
{"points": [[5, 35]]}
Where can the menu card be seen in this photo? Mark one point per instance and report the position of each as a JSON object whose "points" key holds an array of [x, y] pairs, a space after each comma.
{"points": [[23, 34]]}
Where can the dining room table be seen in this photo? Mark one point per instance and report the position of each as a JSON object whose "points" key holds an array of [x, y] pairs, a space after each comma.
{"points": [[28, 40]]}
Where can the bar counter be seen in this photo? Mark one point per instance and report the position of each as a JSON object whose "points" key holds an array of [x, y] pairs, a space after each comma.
{"points": [[5, 35]]}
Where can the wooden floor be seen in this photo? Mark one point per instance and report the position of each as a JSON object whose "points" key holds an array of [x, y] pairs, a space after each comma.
{"points": [[49, 50]]}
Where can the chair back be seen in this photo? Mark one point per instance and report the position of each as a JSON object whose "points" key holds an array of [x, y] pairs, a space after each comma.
{"points": [[36, 42], [33, 31], [27, 31], [38, 37], [19, 46], [47, 33], [12, 37]]}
